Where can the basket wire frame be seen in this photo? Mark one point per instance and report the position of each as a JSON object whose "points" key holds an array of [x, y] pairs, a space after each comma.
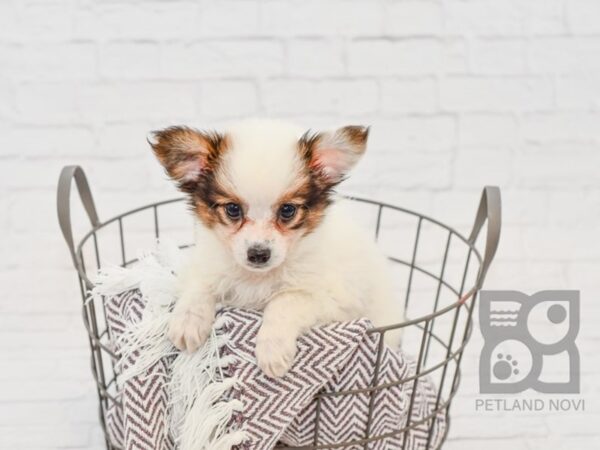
{"points": [[459, 312]]}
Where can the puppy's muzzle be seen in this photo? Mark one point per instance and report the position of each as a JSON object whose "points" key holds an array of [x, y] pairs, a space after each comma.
{"points": [[258, 255]]}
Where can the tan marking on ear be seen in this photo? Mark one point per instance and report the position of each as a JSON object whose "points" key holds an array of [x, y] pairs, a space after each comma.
{"points": [[356, 135], [187, 153], [328, 156], [333, 154]]}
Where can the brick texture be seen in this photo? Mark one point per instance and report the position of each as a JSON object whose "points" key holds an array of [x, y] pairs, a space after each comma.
{"points": [[459, 93]]}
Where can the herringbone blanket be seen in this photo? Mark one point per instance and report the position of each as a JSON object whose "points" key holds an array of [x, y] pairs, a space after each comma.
{"points": [[313, 404]]}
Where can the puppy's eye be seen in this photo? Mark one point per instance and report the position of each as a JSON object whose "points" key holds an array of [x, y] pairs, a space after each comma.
{"points": [[233, 210], [287, 211]]}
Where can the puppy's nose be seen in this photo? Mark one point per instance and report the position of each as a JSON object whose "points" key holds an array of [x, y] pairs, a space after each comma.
{"points": [[258, 255]]}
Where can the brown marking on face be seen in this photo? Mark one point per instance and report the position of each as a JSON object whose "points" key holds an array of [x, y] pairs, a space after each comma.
{"points": [[192, 158], [319, 181], [311, 195], [209, 199], [293, 224], [315, 188]]}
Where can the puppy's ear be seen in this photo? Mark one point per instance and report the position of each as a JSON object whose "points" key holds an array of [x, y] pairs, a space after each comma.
{"points": [[332, 154], [187, 153]]}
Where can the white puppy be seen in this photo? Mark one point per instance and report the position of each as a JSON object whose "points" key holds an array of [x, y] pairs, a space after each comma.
{"points": [[269, 236]]}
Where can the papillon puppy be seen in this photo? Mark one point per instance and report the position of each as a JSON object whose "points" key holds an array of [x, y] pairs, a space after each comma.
{"points": [[269, 235]]}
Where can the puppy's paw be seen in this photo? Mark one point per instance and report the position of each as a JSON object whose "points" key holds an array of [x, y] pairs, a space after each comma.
{"points": [[189, 330], [275, 351]]}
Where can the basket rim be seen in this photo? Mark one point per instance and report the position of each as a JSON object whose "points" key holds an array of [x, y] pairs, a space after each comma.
{"points": [[462, 297]]}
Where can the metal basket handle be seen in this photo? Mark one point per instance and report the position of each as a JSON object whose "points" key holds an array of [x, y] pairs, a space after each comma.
{"points": [[63, 204], [490, 209]]}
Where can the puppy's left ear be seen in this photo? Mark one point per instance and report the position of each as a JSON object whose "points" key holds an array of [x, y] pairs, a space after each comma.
{"points": [[334, 153]]}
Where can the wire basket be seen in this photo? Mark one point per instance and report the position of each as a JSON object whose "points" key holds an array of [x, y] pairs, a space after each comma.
{"points": [[439, 272]]}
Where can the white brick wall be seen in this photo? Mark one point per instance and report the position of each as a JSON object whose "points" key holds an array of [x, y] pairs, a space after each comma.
{"points": [[459, 93]]}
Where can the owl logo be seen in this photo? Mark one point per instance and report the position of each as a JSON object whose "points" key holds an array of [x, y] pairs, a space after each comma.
{"points": [[529, 342]]}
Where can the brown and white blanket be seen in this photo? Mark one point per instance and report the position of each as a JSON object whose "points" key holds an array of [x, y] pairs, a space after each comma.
{"points": [[219, 398]]}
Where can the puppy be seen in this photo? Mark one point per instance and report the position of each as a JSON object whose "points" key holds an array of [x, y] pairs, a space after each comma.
{"points": [[269, 235]]}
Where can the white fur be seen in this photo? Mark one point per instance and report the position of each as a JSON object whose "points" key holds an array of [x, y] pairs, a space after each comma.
{"points": [[334, 273]]}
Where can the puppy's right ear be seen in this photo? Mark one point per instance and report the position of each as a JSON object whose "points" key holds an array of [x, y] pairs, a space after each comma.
{"points": [[186, 153]]}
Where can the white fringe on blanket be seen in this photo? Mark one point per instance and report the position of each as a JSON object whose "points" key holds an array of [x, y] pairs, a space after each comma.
{"points": [[199, 409]]}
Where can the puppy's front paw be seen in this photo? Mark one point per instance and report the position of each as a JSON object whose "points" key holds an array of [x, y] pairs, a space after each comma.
{"points": [[275, 351], [189, 330]]}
